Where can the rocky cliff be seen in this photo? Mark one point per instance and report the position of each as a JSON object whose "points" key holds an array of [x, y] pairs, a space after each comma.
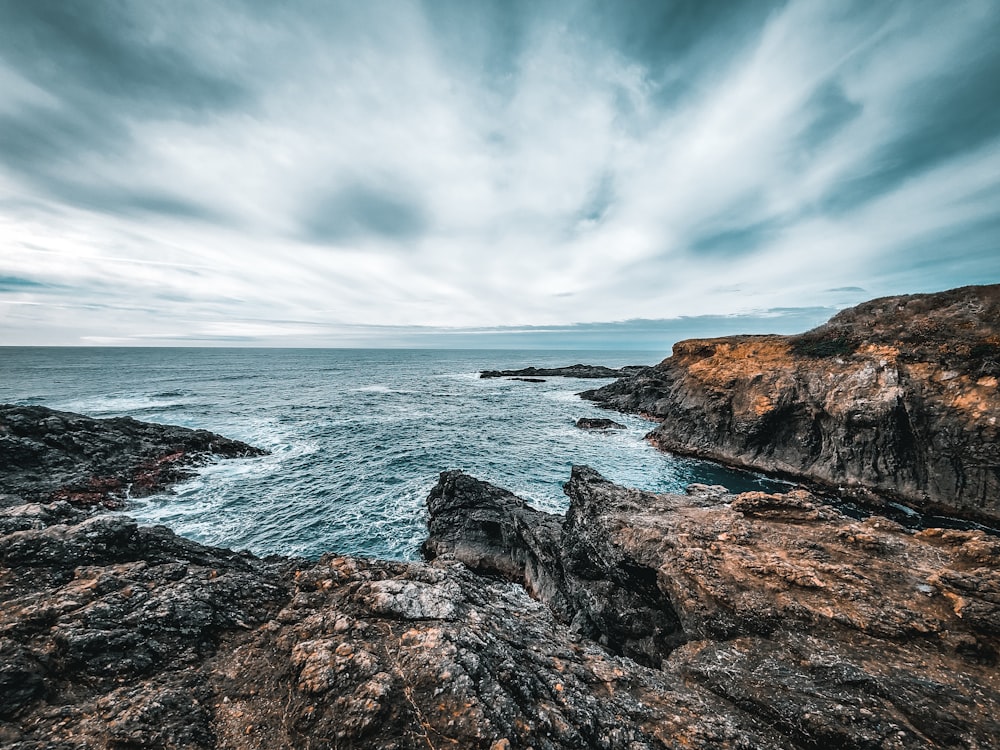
{"points": [[897, 396]]}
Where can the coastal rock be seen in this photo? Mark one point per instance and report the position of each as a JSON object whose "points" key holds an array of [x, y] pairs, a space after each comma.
{"points": [[637, 621], [572, 371], [48, 455], [838, 633], [114, 635], [598, 423], [897, 396]]}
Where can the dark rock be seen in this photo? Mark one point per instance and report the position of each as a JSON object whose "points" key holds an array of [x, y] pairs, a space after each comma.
{"points": [[530, 380], [48, 455], [572, 371], [136, 638], [897, 397], [836, 633], [598, 423], [698, 621]]}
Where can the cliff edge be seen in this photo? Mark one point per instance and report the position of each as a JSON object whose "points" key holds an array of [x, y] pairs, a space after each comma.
{"points": [[897, 396]]}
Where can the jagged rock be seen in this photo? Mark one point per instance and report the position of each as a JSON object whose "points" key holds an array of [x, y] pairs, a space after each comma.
{"points": [[597, 423], [572, 371], [897, 396], [838, 633], [136, 638], [48, 455]]}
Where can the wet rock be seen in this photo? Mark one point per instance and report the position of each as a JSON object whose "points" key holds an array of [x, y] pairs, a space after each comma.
{"points": [[598, 423], [896, 398], [532, 374], [48, 455]]}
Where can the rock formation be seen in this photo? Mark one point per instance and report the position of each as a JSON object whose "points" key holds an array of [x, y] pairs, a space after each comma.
{"points": [[572, 371], [834, 632], [598, 423], [897, 396], [50, 455], [705, 621], [117, 636]]}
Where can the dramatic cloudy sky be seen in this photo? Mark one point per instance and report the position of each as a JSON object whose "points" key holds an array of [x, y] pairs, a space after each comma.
{"points": [[495, 173]]}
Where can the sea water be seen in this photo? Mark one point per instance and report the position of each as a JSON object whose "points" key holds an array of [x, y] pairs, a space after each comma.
{"points": [[357, 437]]}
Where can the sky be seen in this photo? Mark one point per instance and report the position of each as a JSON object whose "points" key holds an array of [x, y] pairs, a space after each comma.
{"points": [[480, 174]]}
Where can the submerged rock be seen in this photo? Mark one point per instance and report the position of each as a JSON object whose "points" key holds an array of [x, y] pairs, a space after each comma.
{"points": [[897, 396], [48, 455]]}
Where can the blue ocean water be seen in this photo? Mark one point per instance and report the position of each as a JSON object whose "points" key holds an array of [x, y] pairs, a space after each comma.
{"points": [[357, 436]]}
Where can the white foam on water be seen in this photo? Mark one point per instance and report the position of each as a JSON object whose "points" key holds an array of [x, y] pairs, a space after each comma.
{"points": [[374, 388], [119, 405]]}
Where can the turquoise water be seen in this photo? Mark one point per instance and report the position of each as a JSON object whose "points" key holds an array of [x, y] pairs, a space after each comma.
{"points": [[357, 437]]}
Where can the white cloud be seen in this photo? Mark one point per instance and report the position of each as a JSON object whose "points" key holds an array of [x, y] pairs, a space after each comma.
{"points": [[557, 189]]}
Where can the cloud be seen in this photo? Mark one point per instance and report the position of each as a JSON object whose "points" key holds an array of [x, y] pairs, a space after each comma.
{"points": [[490, 165], [356, 211], [17, 283]]}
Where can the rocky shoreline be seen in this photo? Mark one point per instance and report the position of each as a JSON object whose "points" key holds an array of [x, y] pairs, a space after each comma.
{"points": [[48, 455], [894, 399], [637, 620]]}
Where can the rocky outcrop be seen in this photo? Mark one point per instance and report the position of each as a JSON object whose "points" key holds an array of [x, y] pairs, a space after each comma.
{"points": [[48, 455], [835, 632], [598, 423], [572, 371], [118, 636], [637, 621], [897, 396]]}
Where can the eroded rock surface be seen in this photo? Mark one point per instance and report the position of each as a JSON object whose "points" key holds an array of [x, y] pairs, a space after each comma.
{"points": [[118, 636], [50, 455], [659, 621], [897, 396], [837, 633]]}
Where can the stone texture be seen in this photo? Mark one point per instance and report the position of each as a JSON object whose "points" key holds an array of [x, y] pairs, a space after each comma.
{"points": [[897, 398], [48, 455], [118, 636], [837, 633]]}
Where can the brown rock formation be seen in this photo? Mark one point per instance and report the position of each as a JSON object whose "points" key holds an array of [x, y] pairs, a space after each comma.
{"points": [[836, 633], [898, 396], [706, 621], [117, 636]]}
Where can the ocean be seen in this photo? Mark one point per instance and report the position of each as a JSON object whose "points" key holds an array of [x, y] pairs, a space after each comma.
{"points": [[357, 436]]}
